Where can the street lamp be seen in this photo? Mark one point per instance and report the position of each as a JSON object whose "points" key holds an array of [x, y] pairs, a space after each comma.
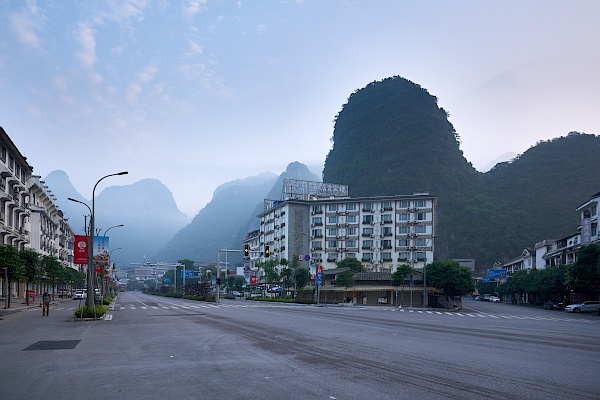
{"points": [[116, 226], [90, 289], [425, 299]]}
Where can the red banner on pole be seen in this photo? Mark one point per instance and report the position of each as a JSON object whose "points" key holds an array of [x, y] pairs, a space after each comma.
{"points": [[80, 249]]}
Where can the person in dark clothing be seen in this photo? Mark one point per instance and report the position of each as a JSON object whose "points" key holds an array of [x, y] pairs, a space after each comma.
{"points": [[45, 304]]}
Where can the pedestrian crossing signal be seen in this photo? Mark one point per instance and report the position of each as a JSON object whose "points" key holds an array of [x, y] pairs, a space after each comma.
{"points": [[267, 251]]}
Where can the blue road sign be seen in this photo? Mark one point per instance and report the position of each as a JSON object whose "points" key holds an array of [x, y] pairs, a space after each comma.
{"points": [[319, 275], [307, 258], [188, 273], [485, 279], [319, 282]]}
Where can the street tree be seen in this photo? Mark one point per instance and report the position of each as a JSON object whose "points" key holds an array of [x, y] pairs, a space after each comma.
{"points": [[399, 276], [52, 268], [32, 269], [345, 279], [451, 277], [301, 276], [583, 276], [12, 268], [352, 263]]}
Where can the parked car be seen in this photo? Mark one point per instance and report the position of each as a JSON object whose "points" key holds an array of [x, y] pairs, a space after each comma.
{"points": [[79, 294], [556, 306], [236, 293], [495, 299], [586, 306]]}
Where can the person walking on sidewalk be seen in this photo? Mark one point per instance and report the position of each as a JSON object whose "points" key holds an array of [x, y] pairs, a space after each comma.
{"points": [[45, 304]]}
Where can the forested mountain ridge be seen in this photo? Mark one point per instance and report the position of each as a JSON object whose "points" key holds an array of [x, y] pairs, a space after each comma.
{"points": [[392, 138]]}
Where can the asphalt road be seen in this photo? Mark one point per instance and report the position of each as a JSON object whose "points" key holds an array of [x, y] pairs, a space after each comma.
{"points": [[160, 348]]}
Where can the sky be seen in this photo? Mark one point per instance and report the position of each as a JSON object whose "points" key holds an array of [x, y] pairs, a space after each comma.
{"points": [[196, 93]]}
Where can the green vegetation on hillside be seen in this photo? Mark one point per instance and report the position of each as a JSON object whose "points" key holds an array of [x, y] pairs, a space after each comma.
{"points": [[392, 138]]}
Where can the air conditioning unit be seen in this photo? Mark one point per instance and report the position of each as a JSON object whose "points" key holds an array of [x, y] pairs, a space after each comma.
{"points": [[372, 235], [312, 213]]}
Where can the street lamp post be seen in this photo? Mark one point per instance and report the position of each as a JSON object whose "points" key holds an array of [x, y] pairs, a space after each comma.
{"points": [[425, 299], [116, 226], [90, 289]]}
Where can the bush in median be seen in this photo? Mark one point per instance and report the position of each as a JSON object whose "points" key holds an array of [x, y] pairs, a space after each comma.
{"points": [[97, 311]]}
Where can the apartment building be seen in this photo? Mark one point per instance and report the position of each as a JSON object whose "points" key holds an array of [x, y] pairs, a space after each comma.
{"points": [[29, 216], [382, 232], [550, 253], [50, 231]]}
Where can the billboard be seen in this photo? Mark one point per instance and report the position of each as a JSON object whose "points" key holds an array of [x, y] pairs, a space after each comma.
{"points": [[80, 249], [100, 252]]}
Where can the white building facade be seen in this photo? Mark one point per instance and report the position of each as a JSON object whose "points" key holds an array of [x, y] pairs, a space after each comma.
{"points": [[382, 232]]}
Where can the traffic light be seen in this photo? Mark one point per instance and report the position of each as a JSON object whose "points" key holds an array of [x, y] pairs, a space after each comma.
{"points": [[218, 281], [267, 251], [246, 250]]}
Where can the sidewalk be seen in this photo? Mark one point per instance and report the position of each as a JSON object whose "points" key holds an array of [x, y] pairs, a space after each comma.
{"points": [[18, 304]]}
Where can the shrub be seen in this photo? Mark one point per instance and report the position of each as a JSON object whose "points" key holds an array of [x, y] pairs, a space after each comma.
{"points": [[97, 311], [107, 300]]}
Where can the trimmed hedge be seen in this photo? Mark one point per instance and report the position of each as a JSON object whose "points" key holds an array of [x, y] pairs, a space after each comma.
{"points": [[97, 311]]}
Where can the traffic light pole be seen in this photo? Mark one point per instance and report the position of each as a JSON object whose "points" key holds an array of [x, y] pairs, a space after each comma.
{"points": [[218, 282]]}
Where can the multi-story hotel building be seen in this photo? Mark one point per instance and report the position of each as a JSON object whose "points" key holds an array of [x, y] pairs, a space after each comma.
{"points": [[322, 229]]}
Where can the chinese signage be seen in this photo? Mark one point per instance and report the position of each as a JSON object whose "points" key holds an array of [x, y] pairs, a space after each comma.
{"points": [[80, 249]]}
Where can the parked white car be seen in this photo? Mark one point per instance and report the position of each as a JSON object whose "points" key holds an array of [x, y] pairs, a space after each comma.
{"points": [[495, 299], [586, 306], [79, 294]]}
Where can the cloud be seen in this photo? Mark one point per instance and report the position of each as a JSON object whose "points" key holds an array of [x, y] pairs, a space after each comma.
{"points": [[193, 7], [261, 28], [148, 73], [133, 92], [24, 25], [195, 47], [87, 42]]}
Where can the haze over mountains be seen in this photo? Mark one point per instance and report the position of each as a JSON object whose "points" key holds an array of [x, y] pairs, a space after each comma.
{"points": [[389, 138]]}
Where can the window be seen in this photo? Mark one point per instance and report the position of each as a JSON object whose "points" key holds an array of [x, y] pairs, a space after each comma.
{"points": [[386, 244], [367, 219], [331, 244], [317, 220], [403, 255], [317, 209], [351, 207], [367, 257], [351, 255], [3, 154], [351, 231], [403, 243], [332, 207], [351, 243], [332, 220], [386, 217], [420, 203], [367, 231], [367, 244], [351, 219], [332, 257], [403, 217], [387, 231], [316, 246], [421, 216], [386, 257], [420, 229], [368, 207], [593, 211], [332, 232], [317, 233], [420, 242], [420, 255], [403, 230], [386, 205]]}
